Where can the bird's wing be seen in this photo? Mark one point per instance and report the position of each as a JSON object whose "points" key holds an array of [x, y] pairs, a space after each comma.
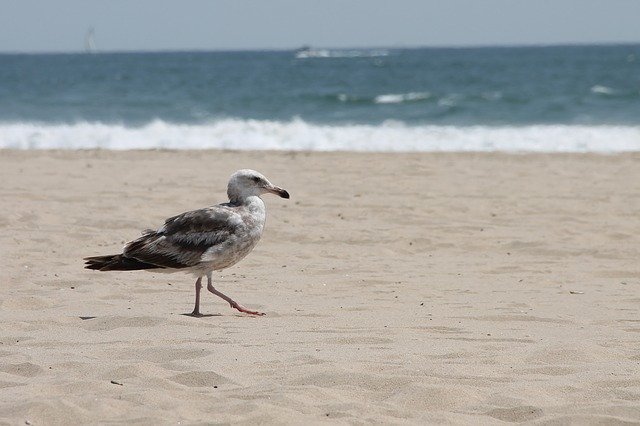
{"points": [[183, 239]]}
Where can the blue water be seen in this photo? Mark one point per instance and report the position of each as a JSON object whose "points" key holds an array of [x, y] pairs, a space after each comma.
{"points": [[328, 99]]}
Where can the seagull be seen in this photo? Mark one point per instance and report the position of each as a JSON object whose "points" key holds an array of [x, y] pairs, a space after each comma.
{"points": [[201, 241]]}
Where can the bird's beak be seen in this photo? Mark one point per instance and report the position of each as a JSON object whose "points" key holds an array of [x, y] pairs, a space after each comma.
{"points": [[278, 191]]}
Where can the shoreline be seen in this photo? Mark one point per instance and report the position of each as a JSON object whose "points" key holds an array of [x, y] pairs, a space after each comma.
{"points": [[302, 136], [291, 152]]}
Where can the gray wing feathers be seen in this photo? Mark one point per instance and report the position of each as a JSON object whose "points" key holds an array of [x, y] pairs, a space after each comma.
{"points": [[183, 239]]}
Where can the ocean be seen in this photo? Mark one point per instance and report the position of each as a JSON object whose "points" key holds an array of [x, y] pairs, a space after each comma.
{"points": [[543, 99]]}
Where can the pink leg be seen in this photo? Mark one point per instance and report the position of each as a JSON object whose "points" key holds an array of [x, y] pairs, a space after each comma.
{"points": [[196, 309], [229, 300]]}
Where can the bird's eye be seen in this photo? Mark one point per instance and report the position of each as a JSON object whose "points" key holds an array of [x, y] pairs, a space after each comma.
{"points": [[256, 179]]}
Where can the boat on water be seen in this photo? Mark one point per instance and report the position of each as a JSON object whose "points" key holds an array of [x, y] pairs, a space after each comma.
{"points": [[306, 52], [89, 41]]}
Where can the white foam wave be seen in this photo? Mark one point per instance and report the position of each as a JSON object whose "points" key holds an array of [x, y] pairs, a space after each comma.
{"points": [[298, 135], [343, 97], [602, 90], [450, 100], [403, 97]]}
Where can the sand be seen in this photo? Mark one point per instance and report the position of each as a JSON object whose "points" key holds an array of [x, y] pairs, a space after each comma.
{"points": [[399, 288]]}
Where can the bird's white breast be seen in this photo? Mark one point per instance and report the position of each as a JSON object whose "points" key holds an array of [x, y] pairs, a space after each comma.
{"points": [[252, 218]]}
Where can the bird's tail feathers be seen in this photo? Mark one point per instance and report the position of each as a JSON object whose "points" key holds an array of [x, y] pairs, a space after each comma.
{"points": [[116, 262]]}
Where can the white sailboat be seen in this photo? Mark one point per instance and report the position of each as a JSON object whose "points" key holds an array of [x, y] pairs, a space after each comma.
{"points": [[89, 41]]}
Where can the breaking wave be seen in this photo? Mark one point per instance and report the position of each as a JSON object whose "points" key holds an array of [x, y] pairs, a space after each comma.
{"points": [[402, 97], [298, 135]]}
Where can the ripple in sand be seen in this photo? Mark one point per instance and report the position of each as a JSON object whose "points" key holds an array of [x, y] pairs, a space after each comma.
{"points": [[368, 382], [200, 379], [433, 397], [25, 369], [111, 323], [552, 371], [516, 414], [9, 384]]}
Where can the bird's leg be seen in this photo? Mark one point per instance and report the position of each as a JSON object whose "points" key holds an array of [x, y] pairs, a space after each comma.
{"points": [[196, 309], [229, 300]]}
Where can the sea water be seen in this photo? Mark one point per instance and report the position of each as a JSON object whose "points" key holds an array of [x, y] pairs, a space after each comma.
{"points": [[548, 99]]}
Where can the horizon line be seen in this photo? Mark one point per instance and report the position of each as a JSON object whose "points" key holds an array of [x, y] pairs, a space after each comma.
{"points": [[287, 49]]}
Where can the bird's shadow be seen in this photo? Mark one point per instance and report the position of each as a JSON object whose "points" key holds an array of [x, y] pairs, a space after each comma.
{"points": [[201, 315], [186, 315]]}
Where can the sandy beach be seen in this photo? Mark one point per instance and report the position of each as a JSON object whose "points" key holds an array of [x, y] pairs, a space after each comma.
{"points": [[399, 288]]}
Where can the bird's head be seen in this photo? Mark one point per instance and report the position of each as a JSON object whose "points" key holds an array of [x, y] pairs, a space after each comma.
{"points": [[246, 183]]}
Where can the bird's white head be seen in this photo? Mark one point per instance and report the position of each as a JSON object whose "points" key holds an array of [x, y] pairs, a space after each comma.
{"points": [[246, 183]]}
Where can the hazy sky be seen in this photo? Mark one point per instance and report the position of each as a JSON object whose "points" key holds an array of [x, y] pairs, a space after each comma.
{"points": [[60, 25]]}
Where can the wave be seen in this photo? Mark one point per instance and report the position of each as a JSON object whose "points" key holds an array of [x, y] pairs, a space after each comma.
{"points": [[402, 97], [391, 98], [298, 135], [602, 90], [446, 100]]}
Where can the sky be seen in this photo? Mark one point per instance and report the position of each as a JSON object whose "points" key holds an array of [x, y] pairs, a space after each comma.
{"points": [[130, 25]]}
